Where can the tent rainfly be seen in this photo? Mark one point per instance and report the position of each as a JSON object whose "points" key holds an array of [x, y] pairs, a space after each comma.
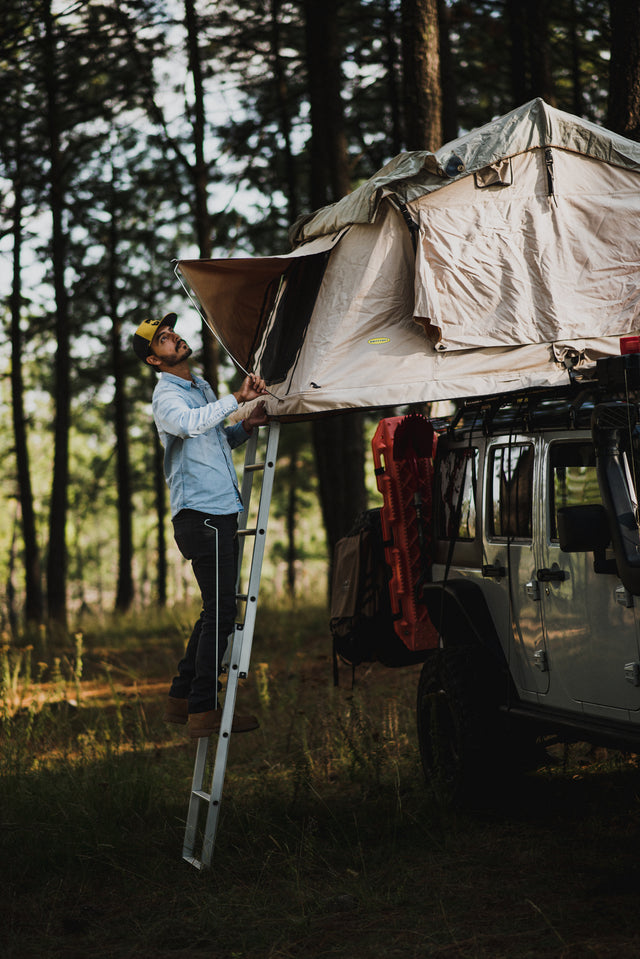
{"points": [[501, 261]]}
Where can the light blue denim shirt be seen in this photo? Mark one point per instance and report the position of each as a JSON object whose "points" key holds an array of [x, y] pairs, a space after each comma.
{"points": [[197, 448]]}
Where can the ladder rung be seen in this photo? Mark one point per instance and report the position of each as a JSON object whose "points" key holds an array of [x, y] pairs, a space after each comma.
{"points": [[243, 597], [247, 532], [201, 794], [252, 467], [193, 861]]}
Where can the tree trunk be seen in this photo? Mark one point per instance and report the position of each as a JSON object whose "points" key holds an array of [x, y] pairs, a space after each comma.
{"points": [[421, 72], [541, 79], [390, 55], [200, 175], [338, 440], [576, 78], [515, 12], [447, 76], [329, 167], [33, 606], [57, 557], [624, 77], [124, 594], [284, 113], [161, 513], [339, 452], [291, 518]]}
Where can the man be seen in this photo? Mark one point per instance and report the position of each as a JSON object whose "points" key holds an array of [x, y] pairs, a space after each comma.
{"points": [[204, 509]]}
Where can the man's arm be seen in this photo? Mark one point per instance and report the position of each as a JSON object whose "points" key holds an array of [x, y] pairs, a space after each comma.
{"points": [[174, 416]]}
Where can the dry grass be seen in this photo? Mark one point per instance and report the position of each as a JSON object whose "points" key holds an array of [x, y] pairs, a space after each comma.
{"points": [[328, 844]]}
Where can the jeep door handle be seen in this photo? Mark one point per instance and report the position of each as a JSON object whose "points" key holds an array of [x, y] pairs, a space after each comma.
{"points": [[553, 575], [493, 570]]}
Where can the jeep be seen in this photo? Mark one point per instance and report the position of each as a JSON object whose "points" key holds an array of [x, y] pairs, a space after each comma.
{"points": [[534, 574]]}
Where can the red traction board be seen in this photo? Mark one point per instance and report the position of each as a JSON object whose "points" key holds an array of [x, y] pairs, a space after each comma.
{"points": [[403, 450]]}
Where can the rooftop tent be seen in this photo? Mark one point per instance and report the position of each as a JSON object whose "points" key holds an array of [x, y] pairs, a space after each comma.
{"points": [[493, 264]]}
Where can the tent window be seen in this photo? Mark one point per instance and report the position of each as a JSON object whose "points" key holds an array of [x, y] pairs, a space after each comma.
{"points": [[291, 314]]}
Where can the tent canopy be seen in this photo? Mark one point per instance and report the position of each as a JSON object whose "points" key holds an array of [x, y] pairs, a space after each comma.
{"points": [[493, 264]]}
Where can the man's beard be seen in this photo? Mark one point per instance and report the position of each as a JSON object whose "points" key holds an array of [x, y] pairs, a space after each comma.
{"points": [[180, 357]]}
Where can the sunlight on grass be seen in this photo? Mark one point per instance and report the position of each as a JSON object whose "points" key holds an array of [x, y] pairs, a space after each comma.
{"points": [[327, 835]]}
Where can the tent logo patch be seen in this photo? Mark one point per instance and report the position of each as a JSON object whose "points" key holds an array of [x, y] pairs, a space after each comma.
{"points": [[378, 340]]}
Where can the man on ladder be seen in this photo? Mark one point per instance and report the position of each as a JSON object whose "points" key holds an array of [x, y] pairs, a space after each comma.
{"points": [[205, 502]]}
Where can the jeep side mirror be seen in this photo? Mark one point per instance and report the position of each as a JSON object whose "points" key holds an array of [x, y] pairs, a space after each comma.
{"points": [[583, 529]]}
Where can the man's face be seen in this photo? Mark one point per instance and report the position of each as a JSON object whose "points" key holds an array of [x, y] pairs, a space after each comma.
{"points": [[169, 347]]}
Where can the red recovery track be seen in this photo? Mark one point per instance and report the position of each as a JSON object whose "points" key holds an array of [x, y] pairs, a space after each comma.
{"points": [[403, 451]]}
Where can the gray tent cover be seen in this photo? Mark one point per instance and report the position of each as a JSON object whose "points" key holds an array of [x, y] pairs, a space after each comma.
{"points": [[501, 261]]}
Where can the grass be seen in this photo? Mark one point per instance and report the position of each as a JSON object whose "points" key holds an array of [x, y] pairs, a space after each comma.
{"points": [[328, 844]]}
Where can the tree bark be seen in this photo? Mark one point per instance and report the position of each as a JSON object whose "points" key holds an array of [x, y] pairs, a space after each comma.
{"points": [[33, 606], [339, 453], [576, 78], [200, 176], [124, 593], [518, 51], [541, 74], [624, 76], [338, 440], [57, 557], [447, 76], [390, 55], [284, 113], [329, 166], [421, 73], [161, 513], [531, 73]]}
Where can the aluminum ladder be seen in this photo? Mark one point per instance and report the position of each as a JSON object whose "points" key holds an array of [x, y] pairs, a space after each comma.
{"points": [[240, 655]]}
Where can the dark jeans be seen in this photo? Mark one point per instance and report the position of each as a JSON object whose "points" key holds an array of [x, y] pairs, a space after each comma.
{"points": [[197, 535]]}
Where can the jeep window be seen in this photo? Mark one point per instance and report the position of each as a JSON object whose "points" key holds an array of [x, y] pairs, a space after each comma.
{"points": [[455, 502], [572, 478], [511, 491]]}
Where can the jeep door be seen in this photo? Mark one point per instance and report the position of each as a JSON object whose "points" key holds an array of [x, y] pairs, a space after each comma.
{"points": [[509, 571], [588, 617]]}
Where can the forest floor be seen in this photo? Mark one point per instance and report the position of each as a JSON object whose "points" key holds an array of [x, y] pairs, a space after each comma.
{"points": [[328, 843]]}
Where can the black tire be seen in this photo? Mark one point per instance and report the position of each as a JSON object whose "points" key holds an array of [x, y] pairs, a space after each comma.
{"points": [[460, 730]]}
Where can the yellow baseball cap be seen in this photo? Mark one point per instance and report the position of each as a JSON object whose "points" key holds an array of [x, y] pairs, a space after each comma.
{"points": [[146, 331]]}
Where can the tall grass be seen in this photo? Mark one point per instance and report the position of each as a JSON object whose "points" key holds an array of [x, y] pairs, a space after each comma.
{"points": [[327, 843]]}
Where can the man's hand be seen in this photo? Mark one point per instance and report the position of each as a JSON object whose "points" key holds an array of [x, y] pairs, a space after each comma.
{"points": [[257, 417], [252, 387]]}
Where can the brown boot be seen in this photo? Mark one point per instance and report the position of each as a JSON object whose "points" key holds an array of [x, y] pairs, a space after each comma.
{"points": [[209, 722], [176, 711]]}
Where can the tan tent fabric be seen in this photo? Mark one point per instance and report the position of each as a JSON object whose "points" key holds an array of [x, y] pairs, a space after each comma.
{"points": [[515, 265], [236, 294], [526, 261], [410, 176]]}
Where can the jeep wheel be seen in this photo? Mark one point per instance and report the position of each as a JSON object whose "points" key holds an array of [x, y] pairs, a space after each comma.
{"points": [[459, 727]]}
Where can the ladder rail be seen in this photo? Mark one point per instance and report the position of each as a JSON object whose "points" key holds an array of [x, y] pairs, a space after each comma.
{"points": [[240, 655]]}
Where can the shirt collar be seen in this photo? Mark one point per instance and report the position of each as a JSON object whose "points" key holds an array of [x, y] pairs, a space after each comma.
{"points": [[180, 381]]}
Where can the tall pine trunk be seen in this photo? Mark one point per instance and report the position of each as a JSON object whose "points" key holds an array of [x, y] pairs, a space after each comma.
{"points": [[57, 556], [421, 74], [200, 176], [284, 113], [338, 440], [124, 594], [160, 490], [33, 606], [531, 72]]}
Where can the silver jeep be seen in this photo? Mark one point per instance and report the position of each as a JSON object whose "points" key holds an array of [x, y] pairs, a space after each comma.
{"points": [[534, 578]]}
